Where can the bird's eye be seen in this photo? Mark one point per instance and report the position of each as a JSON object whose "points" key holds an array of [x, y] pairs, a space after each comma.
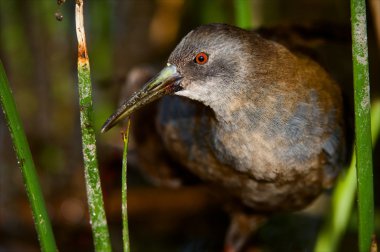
{"points": [[201, 58]]}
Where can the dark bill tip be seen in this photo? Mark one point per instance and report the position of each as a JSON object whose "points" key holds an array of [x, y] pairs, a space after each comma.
{"points": [[165, 82]]}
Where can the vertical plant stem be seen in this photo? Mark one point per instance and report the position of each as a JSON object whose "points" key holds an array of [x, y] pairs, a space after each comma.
{"points": [[343, 197], [124, 187], [243, 15], [362, 124], [94, 191], [28, 170], [375, 121], [342, 203]]}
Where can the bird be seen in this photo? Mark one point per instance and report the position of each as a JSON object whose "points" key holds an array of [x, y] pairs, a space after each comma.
{"points": [[246, 115]]}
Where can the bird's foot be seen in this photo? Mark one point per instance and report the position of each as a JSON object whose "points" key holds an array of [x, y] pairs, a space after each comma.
{"points": [[242, 227]]}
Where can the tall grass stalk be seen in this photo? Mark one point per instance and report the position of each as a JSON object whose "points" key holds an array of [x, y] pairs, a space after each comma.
{"points": [[28, 170], [124, 187], [362, 124], [343, 197], [94, 191], [243, 13]]}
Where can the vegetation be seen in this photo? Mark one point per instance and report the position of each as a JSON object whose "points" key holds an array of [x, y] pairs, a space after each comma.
{"points": [[39, 55]]}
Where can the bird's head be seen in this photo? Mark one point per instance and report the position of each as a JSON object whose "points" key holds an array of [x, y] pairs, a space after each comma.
{"points": [[205, 66]]}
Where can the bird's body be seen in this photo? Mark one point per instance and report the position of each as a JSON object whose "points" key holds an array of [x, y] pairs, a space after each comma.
{"points": [[255, 120], [273, 137]]}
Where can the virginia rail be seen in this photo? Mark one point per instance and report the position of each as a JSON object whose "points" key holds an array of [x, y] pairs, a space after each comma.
{"points": [[250, 117]]}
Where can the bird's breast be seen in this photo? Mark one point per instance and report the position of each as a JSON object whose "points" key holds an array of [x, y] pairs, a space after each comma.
{"points": [[267, 156]]}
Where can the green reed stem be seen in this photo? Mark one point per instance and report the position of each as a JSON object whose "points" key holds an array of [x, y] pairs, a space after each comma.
{"points": [[28, 170], [343, 197], [362, 124], [243, 13], [93, 186], [124, 183]]}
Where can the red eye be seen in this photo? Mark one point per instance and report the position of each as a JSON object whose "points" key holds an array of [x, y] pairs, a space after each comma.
{"points": [[201, 58]]}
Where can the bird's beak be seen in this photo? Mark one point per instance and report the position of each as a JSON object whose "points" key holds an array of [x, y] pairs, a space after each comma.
{"points": [[165, 82]]}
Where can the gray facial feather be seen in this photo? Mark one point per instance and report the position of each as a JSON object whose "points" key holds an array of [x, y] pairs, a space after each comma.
{"points": [[257, 124]]}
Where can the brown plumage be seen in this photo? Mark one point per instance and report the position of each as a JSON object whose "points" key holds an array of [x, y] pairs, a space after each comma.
{"points": [[251, 118]]}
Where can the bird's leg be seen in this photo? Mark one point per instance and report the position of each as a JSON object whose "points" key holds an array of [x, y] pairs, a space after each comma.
{"points": [[242, 226]]}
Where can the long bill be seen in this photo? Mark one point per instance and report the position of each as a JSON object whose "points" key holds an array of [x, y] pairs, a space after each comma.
{"points": [[165, 82]]}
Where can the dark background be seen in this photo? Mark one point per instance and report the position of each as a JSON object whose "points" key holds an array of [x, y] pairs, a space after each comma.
{"points": [[39, 55]]}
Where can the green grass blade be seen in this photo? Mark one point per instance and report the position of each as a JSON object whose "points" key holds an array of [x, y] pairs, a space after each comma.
{"points": [[344, 194], [375, 121], [93, 186], [25, 161], [362, 124], [124, 180], [343, 197], [341, 209], [243, 13]]}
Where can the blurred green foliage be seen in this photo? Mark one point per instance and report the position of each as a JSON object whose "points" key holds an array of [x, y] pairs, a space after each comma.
{"points": [[39, 54]]}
